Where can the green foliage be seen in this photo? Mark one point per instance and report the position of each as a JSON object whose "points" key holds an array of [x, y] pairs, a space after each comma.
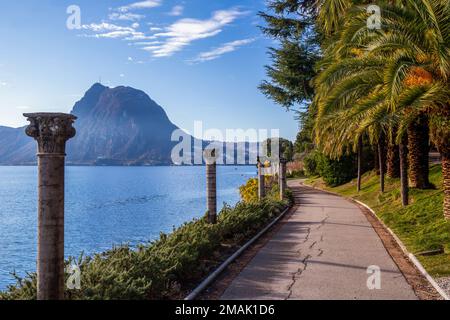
{"points": [[336, 172], [249, 191], [165, 268], [291, 22], [333, 172], [310, 163], [286, 148]]}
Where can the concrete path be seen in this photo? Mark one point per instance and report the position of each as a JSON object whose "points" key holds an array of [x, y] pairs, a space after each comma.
{"points": [[322, 252]]}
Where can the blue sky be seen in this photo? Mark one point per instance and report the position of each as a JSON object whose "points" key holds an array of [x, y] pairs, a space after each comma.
{"points": [[200, 60]]}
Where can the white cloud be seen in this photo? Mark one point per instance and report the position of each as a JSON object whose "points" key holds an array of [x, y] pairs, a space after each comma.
{"points": [[122, 75], [225, 48], [113, 31], [104, 26], [3, 83], [125, 16], [23, 107], [130, 59], [141, 5], [146, 43], [185, 31], [176, 11]]}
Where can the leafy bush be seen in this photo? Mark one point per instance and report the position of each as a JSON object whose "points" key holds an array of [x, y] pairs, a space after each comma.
{"points": [[336, 172], [333, 172], [249, 191], [165, 268], [310, 163]]}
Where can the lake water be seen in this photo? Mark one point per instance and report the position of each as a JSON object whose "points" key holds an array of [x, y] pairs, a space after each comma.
{"points": [[106, 206]]}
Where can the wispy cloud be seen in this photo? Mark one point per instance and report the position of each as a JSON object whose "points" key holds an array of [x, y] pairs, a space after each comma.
{"points": [[113, 31], [176, 11], [141, 5], [125, 16], [225, 48], [181, 33]]}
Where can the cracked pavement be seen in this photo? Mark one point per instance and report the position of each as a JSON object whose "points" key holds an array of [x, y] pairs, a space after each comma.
{"points": [[321, 252]]}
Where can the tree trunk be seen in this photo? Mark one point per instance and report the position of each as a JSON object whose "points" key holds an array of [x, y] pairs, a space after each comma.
{"points": [[377, 161], [418, 149], [403, 153], [360, 153], [381, 160], [446, 182], [393, 160]]}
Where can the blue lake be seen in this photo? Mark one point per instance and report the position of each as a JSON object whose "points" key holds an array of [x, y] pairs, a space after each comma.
{"points": [[106, 206]]}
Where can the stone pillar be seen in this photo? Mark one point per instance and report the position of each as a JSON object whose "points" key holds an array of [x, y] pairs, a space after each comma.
{"points": [[261, 185], [211, 184], [282, 178], [51, 131]]}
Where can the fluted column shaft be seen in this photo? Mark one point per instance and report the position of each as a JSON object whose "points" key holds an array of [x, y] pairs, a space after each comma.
{"points": [[261, 185], [51, 131], [282, 179], [211, 185]]}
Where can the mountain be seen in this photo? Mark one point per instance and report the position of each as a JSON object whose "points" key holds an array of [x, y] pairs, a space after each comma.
{"points": [[16, 147], [120, 126], [115, 126]]}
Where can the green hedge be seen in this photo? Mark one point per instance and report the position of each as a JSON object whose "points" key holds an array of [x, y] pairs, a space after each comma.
{"points": [[333, 172], [168, 267]]}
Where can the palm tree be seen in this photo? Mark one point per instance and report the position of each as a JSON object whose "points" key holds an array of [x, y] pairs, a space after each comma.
{"points": [[414, 50]]}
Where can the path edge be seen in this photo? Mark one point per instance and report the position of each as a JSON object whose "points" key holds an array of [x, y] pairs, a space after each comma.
{"points": [[218, 271], [411, 257]]}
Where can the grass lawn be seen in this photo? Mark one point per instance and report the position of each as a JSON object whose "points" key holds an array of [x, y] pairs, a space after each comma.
{"points": [[421, 226]]}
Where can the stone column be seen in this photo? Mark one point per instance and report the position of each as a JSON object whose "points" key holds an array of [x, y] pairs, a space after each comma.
{"points": [[261, 186], [211, 187], [51, 131], [282, 178]]}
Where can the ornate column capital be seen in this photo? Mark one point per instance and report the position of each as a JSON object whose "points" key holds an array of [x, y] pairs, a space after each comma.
{"points": [[210, 155], [51, 131]]}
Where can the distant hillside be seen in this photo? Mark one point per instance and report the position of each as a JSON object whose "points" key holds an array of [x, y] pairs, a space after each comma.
{"points": [[120, 126], [115, 126]]}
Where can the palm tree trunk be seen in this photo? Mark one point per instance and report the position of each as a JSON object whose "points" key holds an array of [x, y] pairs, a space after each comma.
{"points": [[403, 153], [360, 146], [381, 160], [393, 160], [418, 149], [377, 161], [446, 182]]}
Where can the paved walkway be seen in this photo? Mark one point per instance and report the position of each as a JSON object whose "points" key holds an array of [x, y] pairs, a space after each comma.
{"points": [[322, 252]]}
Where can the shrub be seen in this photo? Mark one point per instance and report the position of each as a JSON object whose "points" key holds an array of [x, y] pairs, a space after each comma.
{"points": [[310, 163], [336, 172], [333, 172], [165, 268], [249, 191]]}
